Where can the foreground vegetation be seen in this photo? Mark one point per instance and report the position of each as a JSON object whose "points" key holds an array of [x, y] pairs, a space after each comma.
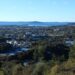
{"points": [[46, 60]]}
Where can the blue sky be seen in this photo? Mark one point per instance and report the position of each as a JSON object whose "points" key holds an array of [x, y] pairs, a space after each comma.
{"points": [[37, 10]]}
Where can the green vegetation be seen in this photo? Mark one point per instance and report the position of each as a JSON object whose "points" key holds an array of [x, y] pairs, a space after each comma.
{"points": [[47, 60], [1, 73]]}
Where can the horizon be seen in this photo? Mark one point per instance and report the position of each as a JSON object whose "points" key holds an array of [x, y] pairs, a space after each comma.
{"points": [[41, 10], [42, 21]]}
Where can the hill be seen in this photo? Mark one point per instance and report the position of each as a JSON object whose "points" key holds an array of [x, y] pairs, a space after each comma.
{"points": [[34, 23]]}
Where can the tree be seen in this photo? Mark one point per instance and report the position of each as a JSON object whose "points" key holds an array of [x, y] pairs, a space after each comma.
{"points": [[72, 52]]}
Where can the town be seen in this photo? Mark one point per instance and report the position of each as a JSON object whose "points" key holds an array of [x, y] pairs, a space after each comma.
{"points": [[29, 45], [23, 36]]}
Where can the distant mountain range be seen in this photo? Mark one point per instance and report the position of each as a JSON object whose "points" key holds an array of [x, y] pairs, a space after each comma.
{"points": [[35, 23]]}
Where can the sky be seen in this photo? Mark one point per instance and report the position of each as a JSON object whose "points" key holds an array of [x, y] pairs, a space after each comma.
{"points": [[37, 10]]}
